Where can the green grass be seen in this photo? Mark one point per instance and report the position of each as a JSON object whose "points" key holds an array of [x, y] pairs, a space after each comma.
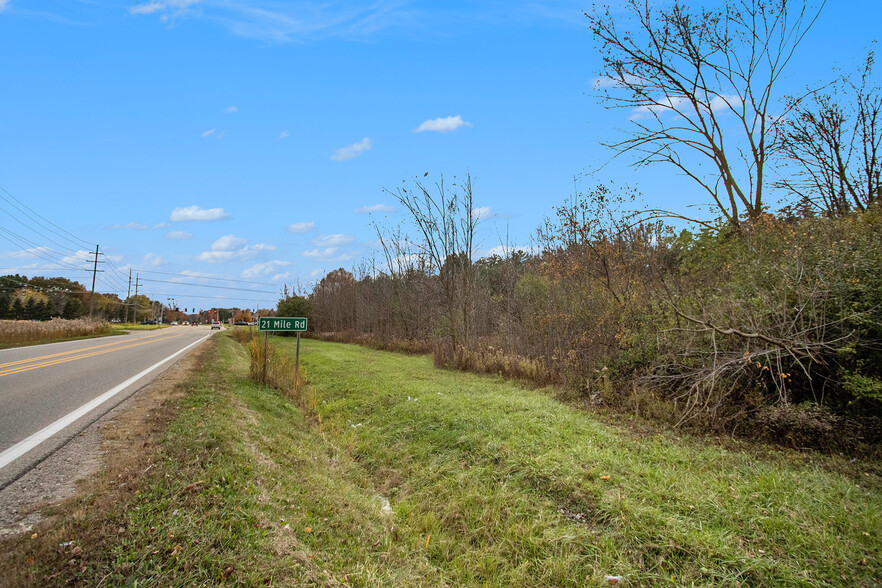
{"points": [[516, 488], [488, 484]]}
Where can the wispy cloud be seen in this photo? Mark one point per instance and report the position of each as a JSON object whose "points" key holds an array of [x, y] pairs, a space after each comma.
{"points": [[481, 212], [682, 104], [4, 4], [153, 260], [353, 150], [136, 226], [332, 240], [230, 248], [208, 133], [329, 254], [375, 208], [28, 253], [262, 269], [178, 235], [279, 22], [231, 109], [300, 228], [284, 135], [442, 125], [197, 213]]}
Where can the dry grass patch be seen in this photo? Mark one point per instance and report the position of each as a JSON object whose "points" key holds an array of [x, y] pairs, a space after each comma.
{"points": [[15, 333]]}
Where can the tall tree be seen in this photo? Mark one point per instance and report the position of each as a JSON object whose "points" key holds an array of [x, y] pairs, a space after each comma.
{"points": [[701, 85], [834, 142], [446, 221]]}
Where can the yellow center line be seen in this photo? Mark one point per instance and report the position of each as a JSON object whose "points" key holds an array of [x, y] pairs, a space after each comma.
{"points": [[42, 357], [19, 369]]}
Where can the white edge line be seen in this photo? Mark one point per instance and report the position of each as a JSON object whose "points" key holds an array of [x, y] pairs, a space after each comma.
{"points": [[24, 446]]}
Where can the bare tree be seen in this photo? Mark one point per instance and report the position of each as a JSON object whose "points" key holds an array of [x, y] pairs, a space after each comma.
{"points": [[700, 85], [446, 221], [834, 143]]}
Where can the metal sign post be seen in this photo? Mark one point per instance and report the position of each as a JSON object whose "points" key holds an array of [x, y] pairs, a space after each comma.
{"points": [[284, 324]]}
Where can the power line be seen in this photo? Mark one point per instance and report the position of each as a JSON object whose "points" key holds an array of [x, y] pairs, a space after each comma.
{"points": [[197, 297], [81, 241], [38, 253], [208, 286], [205, 277]]}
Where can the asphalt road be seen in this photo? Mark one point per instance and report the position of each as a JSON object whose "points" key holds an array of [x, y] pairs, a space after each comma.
{"points": [[50, 393]]}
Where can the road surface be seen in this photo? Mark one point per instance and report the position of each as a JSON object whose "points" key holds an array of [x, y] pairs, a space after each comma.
{"points": [[49, 393]]}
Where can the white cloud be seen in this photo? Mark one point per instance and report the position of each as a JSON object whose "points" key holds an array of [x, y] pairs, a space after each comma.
{"points": [[178, 235], [32, 252], [208, 133], [353, 150], [300, 228], [442, 125], [316, 273], [481, 212], [4, 4], [329, 254], [220, 255], [197, 213], [231, 109], [151, 259], [375, 208], [719, 103], [262, 269], [332, 240], [320, 253], [284, 135], [228, 243], [682, 103]]}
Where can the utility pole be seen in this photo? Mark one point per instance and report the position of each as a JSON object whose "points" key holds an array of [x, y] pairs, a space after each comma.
{"points": [[94, 273], [137, 283], [128, 296]]}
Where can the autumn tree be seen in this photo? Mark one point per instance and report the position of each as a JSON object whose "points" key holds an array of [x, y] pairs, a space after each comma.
{"points": [[701, 89], [833, 143], [446, 221]]}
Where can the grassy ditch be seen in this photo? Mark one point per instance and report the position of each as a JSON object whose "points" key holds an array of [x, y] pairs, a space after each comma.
{"points": [[385, 471]]}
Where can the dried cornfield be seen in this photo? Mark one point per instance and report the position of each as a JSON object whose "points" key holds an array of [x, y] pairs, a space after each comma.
{"points": [[20, 332]]}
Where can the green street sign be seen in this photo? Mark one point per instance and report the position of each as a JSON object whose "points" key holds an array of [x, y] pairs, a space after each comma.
{"points": [[281, 323]]}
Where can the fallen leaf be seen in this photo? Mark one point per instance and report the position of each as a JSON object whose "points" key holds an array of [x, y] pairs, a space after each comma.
{"points": [[604, 477], [76, 551], [34, 536], [177, 550], [307, 529]]}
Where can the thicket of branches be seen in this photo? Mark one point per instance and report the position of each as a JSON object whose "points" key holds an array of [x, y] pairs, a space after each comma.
{"points": [[764, 322], [719, 327]]}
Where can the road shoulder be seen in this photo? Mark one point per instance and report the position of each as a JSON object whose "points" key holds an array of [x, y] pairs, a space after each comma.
{"points": [[117, 441]]}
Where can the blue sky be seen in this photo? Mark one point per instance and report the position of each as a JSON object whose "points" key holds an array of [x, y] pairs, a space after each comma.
{"points": [[248, 139]]}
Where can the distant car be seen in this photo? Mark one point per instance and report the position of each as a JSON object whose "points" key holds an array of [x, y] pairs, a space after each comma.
{"points": [[215, 325], [174, 323], [148, 322]]}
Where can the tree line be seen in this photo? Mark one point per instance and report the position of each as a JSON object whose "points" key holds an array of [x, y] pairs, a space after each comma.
{"points": [[768, 320]]}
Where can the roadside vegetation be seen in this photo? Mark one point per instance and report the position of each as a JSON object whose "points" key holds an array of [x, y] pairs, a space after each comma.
{"points": [[760, 316], [383, 470], [19, 333]]}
